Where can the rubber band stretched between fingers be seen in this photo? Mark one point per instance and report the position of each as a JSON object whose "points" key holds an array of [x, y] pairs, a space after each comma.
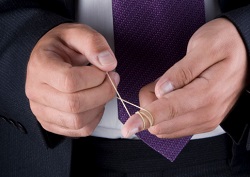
{"points": [[143, 113]]}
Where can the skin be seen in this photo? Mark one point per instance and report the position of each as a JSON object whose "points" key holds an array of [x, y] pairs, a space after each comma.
{"points": [[68, 96], [195, 95]]}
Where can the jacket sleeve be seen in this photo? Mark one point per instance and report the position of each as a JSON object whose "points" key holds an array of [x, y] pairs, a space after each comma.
{"points": [[236, 123], [22, 23]]}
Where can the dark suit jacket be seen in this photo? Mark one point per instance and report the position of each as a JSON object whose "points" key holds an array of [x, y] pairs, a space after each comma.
{"points": [[22, 140]]}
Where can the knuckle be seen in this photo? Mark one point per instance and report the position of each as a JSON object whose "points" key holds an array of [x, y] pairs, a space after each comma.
{"points": [[172, 112], [186, 73], [35, 110], [30, 93], [216, 48], [69, 81], [70, 29], [45, 126], [97, 40], [76, 122], [87, 131], [209, 118], [73, 103], [211, 127], [213, 124], [95, 37], [156, 130]]}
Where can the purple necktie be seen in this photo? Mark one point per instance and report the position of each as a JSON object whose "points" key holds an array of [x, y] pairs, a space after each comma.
{"points": [[150, 36]]}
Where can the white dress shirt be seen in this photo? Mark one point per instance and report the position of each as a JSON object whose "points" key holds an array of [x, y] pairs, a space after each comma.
{"points": [[98, 15]]}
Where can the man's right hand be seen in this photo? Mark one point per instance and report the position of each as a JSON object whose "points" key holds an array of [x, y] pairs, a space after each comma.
{"points": [[66, 94]]}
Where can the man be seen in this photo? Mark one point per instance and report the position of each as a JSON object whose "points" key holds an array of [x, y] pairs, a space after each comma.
{"points": [[40, 46]]}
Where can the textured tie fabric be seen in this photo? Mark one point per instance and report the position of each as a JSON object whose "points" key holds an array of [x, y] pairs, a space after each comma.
{"points": [[150, 36]]}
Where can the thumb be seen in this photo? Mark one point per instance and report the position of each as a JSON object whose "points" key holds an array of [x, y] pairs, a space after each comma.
{"points": [[92, 45], [182, 72]]}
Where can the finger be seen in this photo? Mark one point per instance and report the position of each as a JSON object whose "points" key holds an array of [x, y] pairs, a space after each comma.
{"points": [[75, 102], [204, 91], [193, 104], [77, 59], [57, 49], [199, 121], [209, 44], [186, 70], [174, 104], [132, 126], [202, 118], [83, 132], [65, 78], [189, 131], [90, 43], [147, 94], [64, 119]]}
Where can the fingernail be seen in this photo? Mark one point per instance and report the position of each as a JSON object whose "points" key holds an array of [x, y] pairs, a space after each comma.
{"points": [[133, 125], [165, 88], [105, 58], [115, 76], [131, 132]]}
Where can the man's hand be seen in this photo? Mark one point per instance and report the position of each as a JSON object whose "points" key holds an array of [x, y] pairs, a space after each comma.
{"points": [[196, 94], [66, 94]]}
